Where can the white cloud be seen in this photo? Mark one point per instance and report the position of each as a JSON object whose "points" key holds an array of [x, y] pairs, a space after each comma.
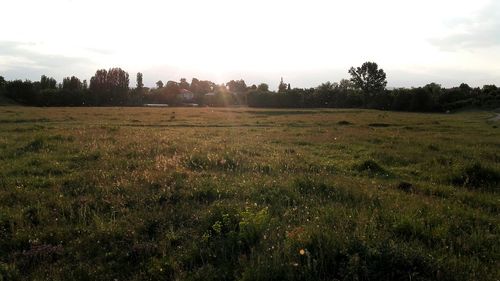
{"points": [[478, 30]]}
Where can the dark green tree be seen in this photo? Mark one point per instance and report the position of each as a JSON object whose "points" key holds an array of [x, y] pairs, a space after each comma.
{"points": [[139, 81], [237, 86], [489, 88], [159, 84], [369, 78], [72, 83], [346, 84], [263, 87], [464, 87], [2, 84], [21, 91], [184, 84], [110, 87], [98, 82], [282, 86], [47, 83]]}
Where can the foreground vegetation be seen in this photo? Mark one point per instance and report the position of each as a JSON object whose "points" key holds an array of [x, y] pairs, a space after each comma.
{"points": [[246, 194]]}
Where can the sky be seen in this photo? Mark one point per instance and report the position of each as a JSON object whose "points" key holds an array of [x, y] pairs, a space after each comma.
{"points": [[306, 42]]}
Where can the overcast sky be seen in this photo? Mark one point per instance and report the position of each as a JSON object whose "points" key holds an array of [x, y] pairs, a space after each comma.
{"points": [[305, 42]]}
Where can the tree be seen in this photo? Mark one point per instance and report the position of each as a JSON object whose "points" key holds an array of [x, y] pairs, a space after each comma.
{"points": [[159, 84], [489, 89], [328, 86], [346, 84], [194, 87], [2, 84], [184, 84], [282, 86], [139, 81], [72, 83], [237, 86], [110, 87], [464, 87], [118, 79], [263, 87], [368, 78], [47, 83], [98, 82], [21, 91]]}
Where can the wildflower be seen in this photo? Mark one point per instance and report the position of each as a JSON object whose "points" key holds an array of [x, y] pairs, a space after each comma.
{"points": [[302, 252]]}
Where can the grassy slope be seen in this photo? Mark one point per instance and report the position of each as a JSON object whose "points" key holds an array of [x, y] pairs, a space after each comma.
{"points": [[200, 194]]}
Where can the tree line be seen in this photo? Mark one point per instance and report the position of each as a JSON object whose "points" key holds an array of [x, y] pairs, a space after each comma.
{"points": [[366, 88]]}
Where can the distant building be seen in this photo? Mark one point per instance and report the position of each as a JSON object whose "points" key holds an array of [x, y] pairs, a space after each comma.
{"points": [[156, 105], [209, 99], [186, 95]]}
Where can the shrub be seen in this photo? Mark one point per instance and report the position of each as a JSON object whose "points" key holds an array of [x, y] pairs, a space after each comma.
{"points": [[36, 145], [307, 186], [371, 167], [406, 186], [477, 176], [344, 123]]}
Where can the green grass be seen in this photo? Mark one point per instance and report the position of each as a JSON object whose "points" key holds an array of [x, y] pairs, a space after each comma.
{"points": [[247, 194]]}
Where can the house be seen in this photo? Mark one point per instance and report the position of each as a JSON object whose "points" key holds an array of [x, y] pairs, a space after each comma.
{"points": [[186, 95], [210, 99]]}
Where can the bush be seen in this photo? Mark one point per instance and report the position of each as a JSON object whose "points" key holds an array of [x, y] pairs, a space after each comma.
{"points": [[371, 167], [477, 176]]}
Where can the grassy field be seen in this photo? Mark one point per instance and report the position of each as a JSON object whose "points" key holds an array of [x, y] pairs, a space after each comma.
{"points": [[248, 194]]}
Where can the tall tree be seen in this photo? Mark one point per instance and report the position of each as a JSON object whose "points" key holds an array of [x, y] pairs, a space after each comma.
{"points": [[237, 86], [184, 84], [118, 79], [263, 87], [282, 86], [72, 83], [195, 87], [139, 81], [159, 84], [2, 82], [345, 84], [98, 82], [110, 87], [47, 83], [368, 78]]}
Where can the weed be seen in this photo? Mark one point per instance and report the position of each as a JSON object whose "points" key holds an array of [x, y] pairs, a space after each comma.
{"points": [[477, 176], [344, 123], [406, 187], [371, 167]]}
